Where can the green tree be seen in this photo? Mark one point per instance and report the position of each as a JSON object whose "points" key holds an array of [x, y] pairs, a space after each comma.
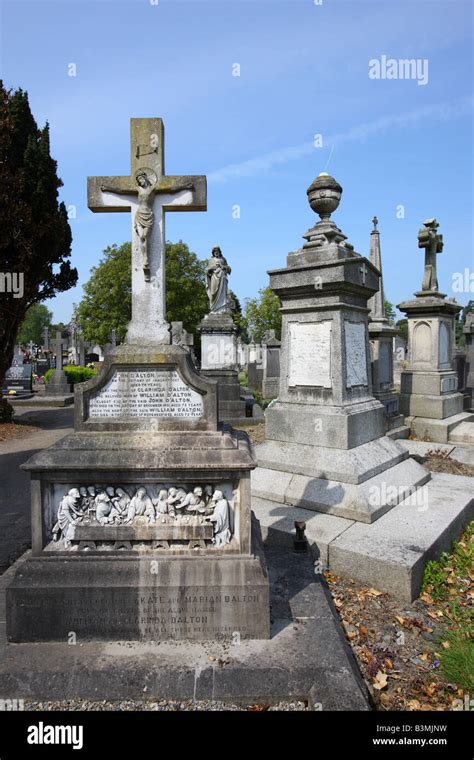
{"points": [[389, 311], [35, 237], [262, 314], [402, 325], [460, 322], [107, 300], [186, 297], [37, 318]]}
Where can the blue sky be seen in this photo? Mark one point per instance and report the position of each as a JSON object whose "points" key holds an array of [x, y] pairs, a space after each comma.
{"points": [[303, 71]]}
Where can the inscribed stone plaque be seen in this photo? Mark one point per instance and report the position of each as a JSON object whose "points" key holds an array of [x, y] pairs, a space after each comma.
{"points": [[18, 378], [449, 384], [146, 393], [310, 354], [356, 356]]}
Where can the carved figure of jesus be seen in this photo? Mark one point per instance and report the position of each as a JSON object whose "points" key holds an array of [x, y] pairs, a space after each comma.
{"points": [[147, 188]]}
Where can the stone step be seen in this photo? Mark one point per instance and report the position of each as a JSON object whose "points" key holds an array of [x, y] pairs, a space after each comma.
{"points": [[438, 430], [389, 554], [401, 432], [463, 433], [366, 501]]}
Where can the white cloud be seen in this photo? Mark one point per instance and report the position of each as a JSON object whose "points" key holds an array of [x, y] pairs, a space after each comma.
{"points": [[255, 166]]}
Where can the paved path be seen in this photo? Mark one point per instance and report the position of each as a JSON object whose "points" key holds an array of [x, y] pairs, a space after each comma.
{"points": [[15, 528]]}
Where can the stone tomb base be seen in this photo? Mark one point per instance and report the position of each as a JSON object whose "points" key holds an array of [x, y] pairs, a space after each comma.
{"points": [[138, 599], [307, 656]]}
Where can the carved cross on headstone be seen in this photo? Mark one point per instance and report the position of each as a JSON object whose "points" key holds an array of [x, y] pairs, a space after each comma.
{"points": [[147, 192], [363, 271], [429, 239], [57, 345]]}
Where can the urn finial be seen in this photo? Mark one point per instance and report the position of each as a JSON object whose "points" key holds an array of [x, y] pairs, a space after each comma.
{"points": [[324, 195]]}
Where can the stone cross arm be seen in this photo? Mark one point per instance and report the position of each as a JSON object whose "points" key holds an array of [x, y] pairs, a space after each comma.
{"points": [[101, 192]]}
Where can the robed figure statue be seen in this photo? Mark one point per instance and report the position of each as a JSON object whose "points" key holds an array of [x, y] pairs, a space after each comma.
{"points": [[217, 271]]}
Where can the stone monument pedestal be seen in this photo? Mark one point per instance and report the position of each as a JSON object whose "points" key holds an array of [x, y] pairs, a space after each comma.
{"points": [[141, 519], [325, 446], [381, 336], [469, 335], [428, 393], [219, 361], [58, 384]]}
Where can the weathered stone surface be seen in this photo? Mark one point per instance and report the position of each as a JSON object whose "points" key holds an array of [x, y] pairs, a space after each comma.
{"points": [[326, 427], [146, 389], [277, 522], [428, 394], [142, 599], [349, 466], [306, 647], [391, 554], [148, 199]]}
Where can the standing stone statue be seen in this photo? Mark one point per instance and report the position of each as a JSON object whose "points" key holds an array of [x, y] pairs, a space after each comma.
{"points": [[429, 239], [217, 271]]}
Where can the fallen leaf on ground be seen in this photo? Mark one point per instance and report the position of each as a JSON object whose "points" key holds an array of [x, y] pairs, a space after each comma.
{"points": [[380, 680]]}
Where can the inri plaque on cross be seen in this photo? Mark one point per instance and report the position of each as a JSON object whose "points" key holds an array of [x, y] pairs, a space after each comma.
{"points": [[147, 192]]}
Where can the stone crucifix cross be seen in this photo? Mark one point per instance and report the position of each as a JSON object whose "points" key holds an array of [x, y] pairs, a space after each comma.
{"points": [[429, 239], [58, 344], [147, 192]]}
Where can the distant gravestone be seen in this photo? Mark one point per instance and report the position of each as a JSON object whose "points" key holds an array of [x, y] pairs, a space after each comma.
{"points": [[271, 366], [19, 377], [58, 384], [255, 373], [42, 366]]}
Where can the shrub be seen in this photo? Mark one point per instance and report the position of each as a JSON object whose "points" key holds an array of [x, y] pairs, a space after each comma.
{"points": [[6, 411], [74, 374]]}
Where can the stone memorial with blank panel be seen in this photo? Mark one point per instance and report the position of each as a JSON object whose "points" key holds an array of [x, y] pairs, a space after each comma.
{"points": [[325, 446]]}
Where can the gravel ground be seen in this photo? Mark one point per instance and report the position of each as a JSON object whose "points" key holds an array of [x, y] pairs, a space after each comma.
{"points": [[162, 705], [10, 430], [256, 432]]}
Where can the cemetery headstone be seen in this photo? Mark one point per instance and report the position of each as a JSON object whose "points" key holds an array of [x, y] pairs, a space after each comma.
{"points": [[271, 366], [45, 335], [325, 446], [58, 384], [19, 377], [42, 365], [255, 375], [429, 396], [143, 514]]}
